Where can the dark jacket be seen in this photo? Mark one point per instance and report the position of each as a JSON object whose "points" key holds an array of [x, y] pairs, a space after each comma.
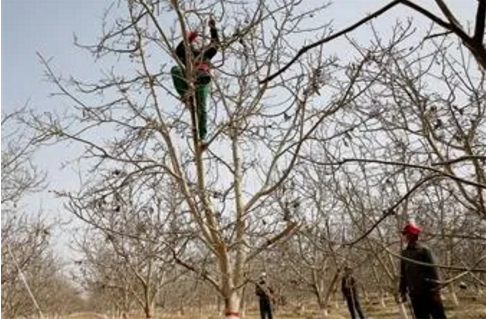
{"points": [[418, 279], [348, 286], [263, 291], [200, 55]]}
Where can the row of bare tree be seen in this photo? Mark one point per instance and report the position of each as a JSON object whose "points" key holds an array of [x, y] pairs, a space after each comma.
{"points": [[33, 280], [307, 170]]}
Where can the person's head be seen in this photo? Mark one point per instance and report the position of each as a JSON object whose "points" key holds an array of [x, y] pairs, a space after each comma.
{"points": [[348, 270], [411, 233], [197, 39], [198, 44], [263, 275]]}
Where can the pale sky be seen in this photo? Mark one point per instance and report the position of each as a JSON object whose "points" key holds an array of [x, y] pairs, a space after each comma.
{"points": [[48, 26]]}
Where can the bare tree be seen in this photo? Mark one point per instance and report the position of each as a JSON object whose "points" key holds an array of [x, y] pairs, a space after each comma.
{"points": [[140, 236], [256, 133], [25, 237], [474, 43]]}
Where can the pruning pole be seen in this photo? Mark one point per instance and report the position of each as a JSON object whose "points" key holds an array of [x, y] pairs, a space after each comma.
{"points": [[410, 308], [24, 280]]}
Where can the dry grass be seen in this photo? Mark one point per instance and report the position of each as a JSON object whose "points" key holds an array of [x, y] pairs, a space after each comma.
{"points": [[469, 309]]}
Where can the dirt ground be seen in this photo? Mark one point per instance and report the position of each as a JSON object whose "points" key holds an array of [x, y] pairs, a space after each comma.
{"points": [[471, 307], [469, 310]]}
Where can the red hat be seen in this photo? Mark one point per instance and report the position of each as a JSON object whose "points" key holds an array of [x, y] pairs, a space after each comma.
{"points": [[192, 35], [411, 229]]}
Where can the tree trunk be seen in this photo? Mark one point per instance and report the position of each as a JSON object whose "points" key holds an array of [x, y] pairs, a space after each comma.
{"points": [[382, 298], [199, 302], [181, 308], [366, 295], [147, 309], [324, 313], [330, 290], [243, 303], [337, 298], [219, 305], [323, 309], [455, 300], [232, 306], [452, 287]]}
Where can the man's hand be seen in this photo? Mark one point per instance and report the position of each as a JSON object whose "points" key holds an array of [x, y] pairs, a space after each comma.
{"points": [[212, 23]]}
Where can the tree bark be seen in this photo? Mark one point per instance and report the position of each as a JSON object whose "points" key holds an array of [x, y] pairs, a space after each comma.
{"points": [[382, 298], [232, 306], [324, 312]]}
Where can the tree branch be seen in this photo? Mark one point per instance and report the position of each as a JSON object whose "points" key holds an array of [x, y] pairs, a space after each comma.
{"points": [[287, 232], [480, 23], [454, 27], [330, 38], [363, 160], [460, 159], [449, 15], [202, 273], [390, 211]]}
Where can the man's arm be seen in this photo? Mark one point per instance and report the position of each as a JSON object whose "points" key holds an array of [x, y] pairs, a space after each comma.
{"points": [[181, 52], [271, 294], [432, 270], [210, 52], [354, 285]]}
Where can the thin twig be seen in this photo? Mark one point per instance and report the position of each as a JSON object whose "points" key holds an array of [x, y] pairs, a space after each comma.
{"points": [[330, 38]]}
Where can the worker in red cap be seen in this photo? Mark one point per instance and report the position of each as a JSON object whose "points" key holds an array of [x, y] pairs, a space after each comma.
{"points": [[419, 277], [201, 57]]}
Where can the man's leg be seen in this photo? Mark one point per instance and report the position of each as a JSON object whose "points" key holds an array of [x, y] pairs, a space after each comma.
{"points": [[203, 77], [202, 96], [357, 306], [436, 308], [269, 311], [179, 81], [350, 302], [262, 309], [202, 93], [420, 307]]}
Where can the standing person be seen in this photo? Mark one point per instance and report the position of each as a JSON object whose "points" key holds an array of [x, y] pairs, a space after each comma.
{"points": [[202, 55], [264, 293], [350, 293], [419, 281]]}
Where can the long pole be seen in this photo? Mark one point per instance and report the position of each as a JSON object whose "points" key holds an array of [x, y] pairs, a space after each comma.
{"points": [[24, 280]]}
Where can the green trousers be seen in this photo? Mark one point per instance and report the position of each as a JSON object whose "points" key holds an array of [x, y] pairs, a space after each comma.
{"points": [[202, 95]]}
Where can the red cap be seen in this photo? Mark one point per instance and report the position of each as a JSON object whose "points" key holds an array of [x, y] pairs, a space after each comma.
{"points": [[411, 229], [192, 35]]}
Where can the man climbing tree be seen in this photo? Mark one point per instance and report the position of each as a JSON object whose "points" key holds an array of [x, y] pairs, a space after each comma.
{"points": [[201, 56]]}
